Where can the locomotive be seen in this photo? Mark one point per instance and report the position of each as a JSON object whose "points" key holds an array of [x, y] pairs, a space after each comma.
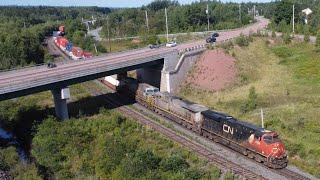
{"points": [[257, 143]]}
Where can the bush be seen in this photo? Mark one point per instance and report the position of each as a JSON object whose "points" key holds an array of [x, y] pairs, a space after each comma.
{"points": [[286, 38], [306, 37], [274, 35], [226, 46], [153, 39], [318, 42], [229, 176], [242, 41], [251, 103], [193, 174], [174, 163]]}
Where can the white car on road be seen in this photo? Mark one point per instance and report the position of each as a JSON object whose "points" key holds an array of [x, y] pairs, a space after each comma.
{"points": [[171, 44]]}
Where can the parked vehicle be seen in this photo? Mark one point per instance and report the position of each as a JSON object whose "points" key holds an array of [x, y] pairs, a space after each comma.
{"points": [[51, 65], [154, 46], [171, 44], [215, 34], [211, 40]]}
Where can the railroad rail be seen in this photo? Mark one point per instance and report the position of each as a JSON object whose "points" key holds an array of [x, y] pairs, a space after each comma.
{"points": [[193, 146], [291, 174], [218, 161]]}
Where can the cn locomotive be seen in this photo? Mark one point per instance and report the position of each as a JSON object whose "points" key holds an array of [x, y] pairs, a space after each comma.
{"points": [[257, 143]]}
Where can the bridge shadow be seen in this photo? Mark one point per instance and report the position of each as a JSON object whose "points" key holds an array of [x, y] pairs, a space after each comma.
{"points": [[27, 119], [91, 105]]}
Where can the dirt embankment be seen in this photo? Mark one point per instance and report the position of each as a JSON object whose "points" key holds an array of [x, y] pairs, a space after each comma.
{"points": [[213, 71]]}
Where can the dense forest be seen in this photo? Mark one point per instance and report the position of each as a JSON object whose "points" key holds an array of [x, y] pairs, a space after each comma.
{"points": [[181, 18], [23, 30], [280, 14]]}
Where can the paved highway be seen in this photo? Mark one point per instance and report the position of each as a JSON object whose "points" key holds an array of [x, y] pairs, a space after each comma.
{"points": [[17, 80]]}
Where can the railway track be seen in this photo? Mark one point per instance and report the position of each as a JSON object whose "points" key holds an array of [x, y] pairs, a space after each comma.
{"points": [[205, 152], [193, 146], [291, 174]]}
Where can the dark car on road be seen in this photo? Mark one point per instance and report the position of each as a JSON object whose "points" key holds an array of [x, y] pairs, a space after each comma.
{"points": [[212, 38], [154, 46], [51, 65], [215, 34]]}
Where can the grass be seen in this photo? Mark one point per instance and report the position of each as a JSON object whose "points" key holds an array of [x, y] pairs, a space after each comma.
{"points": [[286, 79]]}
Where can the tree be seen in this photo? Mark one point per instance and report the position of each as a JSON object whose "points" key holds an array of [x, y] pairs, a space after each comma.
{"points": [[251, 103], [283, 12]]}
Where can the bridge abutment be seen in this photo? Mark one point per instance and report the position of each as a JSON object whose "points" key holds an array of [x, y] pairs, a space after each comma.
{"points": [[176, 68], [60, 97]]}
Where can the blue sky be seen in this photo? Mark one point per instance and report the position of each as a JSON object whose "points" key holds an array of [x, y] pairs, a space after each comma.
{"points": [[102, 3]]}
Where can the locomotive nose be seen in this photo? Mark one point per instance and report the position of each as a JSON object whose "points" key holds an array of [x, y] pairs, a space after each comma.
{"points": [[278, 149]]}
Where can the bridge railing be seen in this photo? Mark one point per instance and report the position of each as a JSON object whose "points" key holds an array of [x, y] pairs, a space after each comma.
{"points": [[49, 79]]}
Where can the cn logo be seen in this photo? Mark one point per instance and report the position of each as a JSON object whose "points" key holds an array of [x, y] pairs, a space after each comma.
{"points": [[227, 129]]}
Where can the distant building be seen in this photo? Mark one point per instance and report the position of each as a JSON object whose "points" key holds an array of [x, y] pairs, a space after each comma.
{"points": [[307, 12]]}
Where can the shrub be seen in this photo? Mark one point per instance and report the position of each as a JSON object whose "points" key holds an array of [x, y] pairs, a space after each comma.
{"points": [[227, 46], [193, 174], [174, 163], [242, 41], [286, 38], [318, 42], [306, 37], [251, 103], [274, 35], [229, 176]]}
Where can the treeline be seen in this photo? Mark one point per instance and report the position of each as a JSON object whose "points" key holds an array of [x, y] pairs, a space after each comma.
{"points": [[23, 30], [280, 13], [181, 18]]}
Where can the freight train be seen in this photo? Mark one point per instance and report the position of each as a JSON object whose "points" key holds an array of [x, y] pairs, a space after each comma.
{"points": [[257, 143], [67, 47]]}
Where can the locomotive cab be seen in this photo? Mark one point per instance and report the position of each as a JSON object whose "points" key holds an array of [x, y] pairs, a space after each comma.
{"points": [[150, 91], [270, 146]]}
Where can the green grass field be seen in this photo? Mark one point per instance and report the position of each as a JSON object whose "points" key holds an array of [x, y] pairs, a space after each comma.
{"points": [[286, 79]]}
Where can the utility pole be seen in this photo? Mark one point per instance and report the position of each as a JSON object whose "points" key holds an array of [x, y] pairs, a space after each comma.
{"points": [[108, 27], [293, 19], [240, 13], [254, 12], [207, 12], [95, 47], [147, 21], [262, 119], [165, 11]]}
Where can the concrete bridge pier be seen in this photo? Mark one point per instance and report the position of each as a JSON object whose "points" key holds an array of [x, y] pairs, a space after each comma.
{"points": [[150, 75], [60, 97]]}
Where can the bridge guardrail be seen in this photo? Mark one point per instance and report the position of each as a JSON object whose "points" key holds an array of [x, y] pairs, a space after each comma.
{"points": [[52, 79]]}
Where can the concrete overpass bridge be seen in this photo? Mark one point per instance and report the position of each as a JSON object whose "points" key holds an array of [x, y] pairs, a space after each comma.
{"points": [[163, 67]]}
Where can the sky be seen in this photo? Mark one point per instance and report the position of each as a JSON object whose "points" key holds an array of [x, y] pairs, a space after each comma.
{"points": [[101, 3]]}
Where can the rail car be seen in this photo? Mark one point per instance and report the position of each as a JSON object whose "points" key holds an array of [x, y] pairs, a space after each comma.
{"points": [[257, 143]]}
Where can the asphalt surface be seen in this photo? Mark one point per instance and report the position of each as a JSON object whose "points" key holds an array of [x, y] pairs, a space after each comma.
{"points": [[33, 76]]}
